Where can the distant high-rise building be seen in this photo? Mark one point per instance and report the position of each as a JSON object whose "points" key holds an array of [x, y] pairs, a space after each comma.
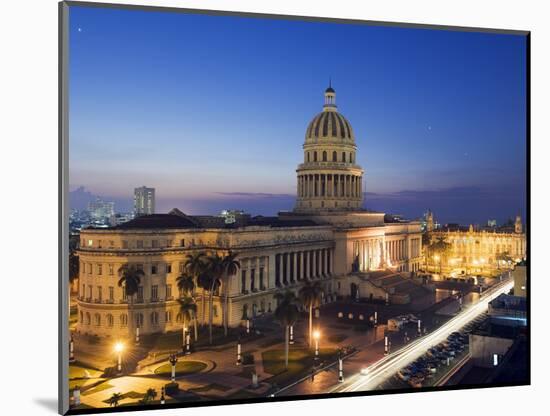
{"points": [[101, 210], [144, 201]]}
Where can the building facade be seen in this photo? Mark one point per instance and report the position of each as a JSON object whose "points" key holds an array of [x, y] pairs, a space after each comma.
{"points": [[144, 201], [483, 252], [328, 238]]}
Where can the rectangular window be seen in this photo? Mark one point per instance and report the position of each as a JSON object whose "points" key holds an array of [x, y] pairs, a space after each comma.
{"points": [[154, 269], [154, 293], [182, 243], [124, 244], [140, 294], [89, 268], [168, 291], [90, 243], [111, 293], [139, 266], [168, 268], [99, 243], [154, 244], [99, 294], [111, 269], [139, 243], [168, 316], [90, 292], [181, 267], [124, 295], [111, 243], [99, 269]]}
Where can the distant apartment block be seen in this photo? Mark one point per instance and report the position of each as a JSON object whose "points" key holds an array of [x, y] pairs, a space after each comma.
{"points": [[144, 201]]}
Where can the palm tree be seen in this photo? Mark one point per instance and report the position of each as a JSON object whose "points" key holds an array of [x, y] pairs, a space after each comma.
{"points": [[186, 285], [114, 399], [286, 314], [149, 395], [310, 296], [230, 267], [74, 267], [130, 278], [188, 310], [503, 256], [195, 264], [440, 247], [212, 280]]}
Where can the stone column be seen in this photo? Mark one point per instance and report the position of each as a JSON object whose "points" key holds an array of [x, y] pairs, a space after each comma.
{"points": [[280, 261], [306, 265]]}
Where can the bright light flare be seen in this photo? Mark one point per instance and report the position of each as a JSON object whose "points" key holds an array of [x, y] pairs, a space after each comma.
{"points": [[119, 346]]}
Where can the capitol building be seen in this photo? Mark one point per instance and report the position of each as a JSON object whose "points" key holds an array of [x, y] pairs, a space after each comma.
{"points": [[328, 237]]}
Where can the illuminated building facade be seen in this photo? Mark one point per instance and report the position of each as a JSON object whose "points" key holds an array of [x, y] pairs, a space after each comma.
{"points": [[328, 238]]}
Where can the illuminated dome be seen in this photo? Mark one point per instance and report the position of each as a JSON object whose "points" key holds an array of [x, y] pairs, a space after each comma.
{"points": [[329, 177], [329, 124]]}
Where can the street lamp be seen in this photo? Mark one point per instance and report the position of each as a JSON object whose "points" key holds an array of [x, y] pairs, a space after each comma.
{"points": [[291, 340], [71, 350], [340, 368], [173, 361], [119, 347], [316, 336], [239, 358]]}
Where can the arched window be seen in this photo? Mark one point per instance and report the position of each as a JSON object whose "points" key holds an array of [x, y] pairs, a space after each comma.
{"points": [[344, 157], [351, 157], [97, 319], [110, 320], [324, 156], [334, 157], [88, 319], [123, 320], [168, 316], [179, 317], [315, 156], [154, 318], [308, 157]]}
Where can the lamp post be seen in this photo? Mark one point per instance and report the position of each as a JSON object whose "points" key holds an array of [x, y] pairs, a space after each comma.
{"points": [[173, 361], [137, 334], [71, 350], [119, 347], [239, 358], [162, 399], [340, 368], [386, 349], [187, 343], [248, 326], [375, 319], [316, 336], [419, 327], [76, 396], [291, 340]]}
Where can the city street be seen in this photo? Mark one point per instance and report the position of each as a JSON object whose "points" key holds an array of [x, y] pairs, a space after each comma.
{"points": [[389, 365]]}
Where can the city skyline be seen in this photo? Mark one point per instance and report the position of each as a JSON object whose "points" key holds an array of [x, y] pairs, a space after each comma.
{"points": [[446, 134]]}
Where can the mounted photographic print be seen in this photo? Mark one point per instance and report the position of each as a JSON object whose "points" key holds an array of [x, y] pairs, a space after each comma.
{"points": [[258, 208]]}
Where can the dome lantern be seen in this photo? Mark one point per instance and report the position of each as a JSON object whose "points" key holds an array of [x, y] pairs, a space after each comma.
{"points": [[330, 98]]}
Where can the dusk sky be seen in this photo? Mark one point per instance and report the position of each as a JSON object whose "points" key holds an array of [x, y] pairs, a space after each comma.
{"points": [[212, 112]]}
